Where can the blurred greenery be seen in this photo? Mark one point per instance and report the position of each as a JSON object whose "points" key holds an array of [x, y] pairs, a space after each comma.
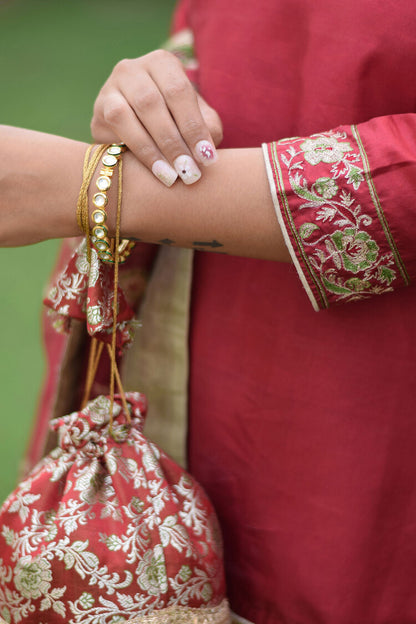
{"points": [[54, 57]]}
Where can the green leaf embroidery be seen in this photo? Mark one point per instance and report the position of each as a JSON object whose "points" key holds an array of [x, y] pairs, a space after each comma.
{"points": [[306, 229], [357, 285], [337, 238], [385, 274], [355, 177], [338, 290], [185, 573]]}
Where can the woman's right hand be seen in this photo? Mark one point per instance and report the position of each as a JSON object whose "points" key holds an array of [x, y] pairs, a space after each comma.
{"points": [[149, 104]]}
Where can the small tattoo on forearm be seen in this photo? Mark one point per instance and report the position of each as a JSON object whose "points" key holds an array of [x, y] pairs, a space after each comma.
{"points": [[212, 245], [207, 244]]}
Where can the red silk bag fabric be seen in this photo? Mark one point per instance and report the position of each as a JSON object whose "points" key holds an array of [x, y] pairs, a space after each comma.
{"points": [[107, 528]]}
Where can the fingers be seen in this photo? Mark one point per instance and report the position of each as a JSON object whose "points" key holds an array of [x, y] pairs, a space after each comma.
{"points": [[114, 121], [164, 139], [180, 98], [121, 122], [150, 105], [212, 120]]}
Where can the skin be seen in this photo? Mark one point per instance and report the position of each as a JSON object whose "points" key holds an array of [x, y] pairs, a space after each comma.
{"points": [[149, 104], [231, 204]]}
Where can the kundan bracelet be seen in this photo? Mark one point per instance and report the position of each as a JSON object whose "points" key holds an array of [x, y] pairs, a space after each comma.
{"points": [[100, 240]]}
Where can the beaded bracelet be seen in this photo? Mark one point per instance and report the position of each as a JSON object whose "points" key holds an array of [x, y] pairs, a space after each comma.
{"points": [[102, 243]]}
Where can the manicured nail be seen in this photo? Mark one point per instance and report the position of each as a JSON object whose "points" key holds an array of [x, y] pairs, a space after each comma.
{"points": [[206, 152], [164, 172], [187, 169]]}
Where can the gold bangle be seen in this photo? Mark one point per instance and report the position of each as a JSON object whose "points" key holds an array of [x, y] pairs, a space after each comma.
{"points": [[102, 243]]}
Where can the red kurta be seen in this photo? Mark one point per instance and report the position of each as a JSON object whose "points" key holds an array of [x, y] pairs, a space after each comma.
{"points": [[302, 425]]}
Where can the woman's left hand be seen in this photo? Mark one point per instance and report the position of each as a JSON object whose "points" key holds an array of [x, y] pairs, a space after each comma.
{"points": [[149, 104]]}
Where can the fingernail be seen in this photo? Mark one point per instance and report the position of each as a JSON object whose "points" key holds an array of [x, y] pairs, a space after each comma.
{"points": [[164, 172], [187, 169], [206, 152]]}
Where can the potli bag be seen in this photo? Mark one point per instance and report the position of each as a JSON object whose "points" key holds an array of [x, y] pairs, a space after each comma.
{"points": [[107, 528]]}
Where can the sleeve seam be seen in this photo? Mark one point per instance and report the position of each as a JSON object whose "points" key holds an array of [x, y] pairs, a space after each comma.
{"points": [[283, 228]]}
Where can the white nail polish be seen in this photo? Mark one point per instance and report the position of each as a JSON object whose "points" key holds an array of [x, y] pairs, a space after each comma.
{"points": [[206, 152], [164, 172], [187, 169]]}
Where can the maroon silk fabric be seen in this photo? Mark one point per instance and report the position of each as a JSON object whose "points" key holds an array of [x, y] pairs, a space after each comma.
{"points": [[302, 424]]}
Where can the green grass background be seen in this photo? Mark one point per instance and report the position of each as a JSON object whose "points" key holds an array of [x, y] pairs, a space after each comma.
{"points": [[54, 57]]}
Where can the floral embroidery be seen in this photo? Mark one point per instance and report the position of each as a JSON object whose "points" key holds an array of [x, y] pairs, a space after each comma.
{"points": [[31, 578], [324, 149], [107, 528], [357, 250], [151, 572], [328, 212], [85, 290], [325, 187]]}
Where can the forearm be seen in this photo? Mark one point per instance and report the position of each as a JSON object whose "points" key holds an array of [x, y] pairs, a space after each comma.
{"points": [[230, 205], [228, 211], [39, 184]]}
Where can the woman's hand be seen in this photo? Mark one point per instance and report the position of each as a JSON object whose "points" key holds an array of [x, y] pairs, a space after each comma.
{"points": [[149, 104]]}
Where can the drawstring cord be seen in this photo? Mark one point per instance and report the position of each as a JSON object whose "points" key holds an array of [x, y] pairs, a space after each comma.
{"points": [[115, 376], [96, 345]]}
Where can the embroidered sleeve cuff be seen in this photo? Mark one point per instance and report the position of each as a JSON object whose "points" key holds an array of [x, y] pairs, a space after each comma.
{"points": [[181, 44], [332, 218]]}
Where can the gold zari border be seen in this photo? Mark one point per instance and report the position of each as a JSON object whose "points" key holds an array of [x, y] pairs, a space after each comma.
{"points": [[186, 615]]}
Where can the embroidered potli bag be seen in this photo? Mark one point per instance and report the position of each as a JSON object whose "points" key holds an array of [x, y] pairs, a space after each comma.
{"points": [[107, 528]]}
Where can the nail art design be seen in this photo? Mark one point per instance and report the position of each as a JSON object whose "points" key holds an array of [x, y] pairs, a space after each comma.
{"points": [[187, 169], [164, 172], [206, 152]]}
